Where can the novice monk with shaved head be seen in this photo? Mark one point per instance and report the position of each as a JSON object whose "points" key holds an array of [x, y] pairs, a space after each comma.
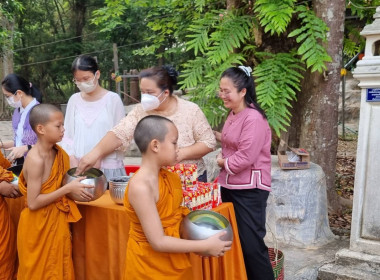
{"points": [[43, 238], [155, 250]]}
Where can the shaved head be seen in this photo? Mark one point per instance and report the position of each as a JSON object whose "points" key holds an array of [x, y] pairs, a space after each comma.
{"points": [[40, 114], [149, 128]]}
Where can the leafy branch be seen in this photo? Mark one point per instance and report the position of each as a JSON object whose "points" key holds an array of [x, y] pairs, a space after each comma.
{"points": [[311, 35], [278, 78], [274, 15]]}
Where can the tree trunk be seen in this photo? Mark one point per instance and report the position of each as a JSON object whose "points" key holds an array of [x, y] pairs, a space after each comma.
{"points": [[78, 21], [231, 4], [316, 114], [6, 56]]}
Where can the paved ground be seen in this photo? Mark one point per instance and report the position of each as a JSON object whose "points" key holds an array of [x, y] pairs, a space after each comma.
{"points": [[6, 132], [303, 264]]}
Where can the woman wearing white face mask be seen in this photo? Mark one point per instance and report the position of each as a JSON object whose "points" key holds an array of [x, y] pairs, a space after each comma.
{"points": [[23, 96], [90, 114], [196, 138]]}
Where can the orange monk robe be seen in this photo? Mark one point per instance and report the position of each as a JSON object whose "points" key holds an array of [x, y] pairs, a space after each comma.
{"points": [[43, 237], [142, 261], [8, 253]]}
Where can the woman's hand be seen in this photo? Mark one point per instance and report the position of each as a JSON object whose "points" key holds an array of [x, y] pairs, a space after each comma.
{"points": [[220, 160], [9, 190], [16, 152], [73, 161], [218, 135], [86, 162], [215, 246]]}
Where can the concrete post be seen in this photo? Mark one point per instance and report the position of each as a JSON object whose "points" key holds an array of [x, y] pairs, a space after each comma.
{"points": [[362, 259], [365, 228]]}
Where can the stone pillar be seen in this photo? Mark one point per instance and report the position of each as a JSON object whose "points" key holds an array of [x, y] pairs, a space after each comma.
{"points": [[362, 259], [365, 228]]}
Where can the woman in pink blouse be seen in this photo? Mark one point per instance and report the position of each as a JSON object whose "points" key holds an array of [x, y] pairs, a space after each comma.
{"points": [[245, 160], [196, 138]]}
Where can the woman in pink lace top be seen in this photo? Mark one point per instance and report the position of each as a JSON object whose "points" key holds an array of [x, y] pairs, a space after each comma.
{"points": [[196, 138]]}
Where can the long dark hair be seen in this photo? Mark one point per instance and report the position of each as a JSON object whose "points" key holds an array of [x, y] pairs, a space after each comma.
{"points": [[164, 76], [84, 63], [241, 80], [13, 82]]}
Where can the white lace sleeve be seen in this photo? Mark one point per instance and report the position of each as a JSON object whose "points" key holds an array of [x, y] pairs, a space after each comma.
{"points": [[119, 110], [126, 127], [202, 129]]}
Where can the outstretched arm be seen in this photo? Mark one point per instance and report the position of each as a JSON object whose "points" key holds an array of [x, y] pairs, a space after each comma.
{"points": [[7, 144], [120, 135], [144, 204], [109, 143], [195, 151]]}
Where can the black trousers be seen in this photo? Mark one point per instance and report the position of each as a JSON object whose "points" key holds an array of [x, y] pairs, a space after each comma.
{"points": [[250, 206]]}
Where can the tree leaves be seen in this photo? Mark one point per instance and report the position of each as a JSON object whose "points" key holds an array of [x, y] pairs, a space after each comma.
{"points": [[274, 15], [278, 78], [311, 35], [213, 38]]}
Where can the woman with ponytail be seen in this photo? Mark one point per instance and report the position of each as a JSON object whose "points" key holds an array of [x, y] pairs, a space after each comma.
{"points": [[23, 96], [245, 177]]}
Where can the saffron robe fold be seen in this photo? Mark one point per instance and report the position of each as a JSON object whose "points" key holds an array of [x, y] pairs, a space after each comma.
{"points": [[8, 252], [142, 262], [43, 237]]}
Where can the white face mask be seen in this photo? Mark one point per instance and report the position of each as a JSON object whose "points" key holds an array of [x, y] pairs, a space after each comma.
{"points": [[87, 87], [150, 102], [11, 101]]}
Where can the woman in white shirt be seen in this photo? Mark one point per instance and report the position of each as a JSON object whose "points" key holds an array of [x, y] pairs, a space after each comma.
{"points": [[90, 114], [23, 96]]}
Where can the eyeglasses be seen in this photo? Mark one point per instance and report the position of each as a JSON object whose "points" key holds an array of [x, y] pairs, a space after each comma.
{"points": [[85, 79], [221, 93]]}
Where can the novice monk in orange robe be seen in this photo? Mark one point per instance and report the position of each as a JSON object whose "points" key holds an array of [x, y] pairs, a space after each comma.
{"points": [[155, 250], [8, 252], [43, 238]]}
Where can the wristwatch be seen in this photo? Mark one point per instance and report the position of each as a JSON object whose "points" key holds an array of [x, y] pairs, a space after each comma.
{"points": [[29, 147]]}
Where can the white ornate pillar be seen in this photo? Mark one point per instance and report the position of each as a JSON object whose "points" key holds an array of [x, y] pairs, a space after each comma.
{"points": [[365, 227], [362, 259]]}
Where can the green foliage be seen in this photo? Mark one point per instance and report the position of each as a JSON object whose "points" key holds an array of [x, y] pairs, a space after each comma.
{"points": [[274, 15], [200, 38], [202, 79], [229, 34], [311, 35], [278, 79], [7, 34], [214, 36], [360, 13], [364, 9], [351, 48]]}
